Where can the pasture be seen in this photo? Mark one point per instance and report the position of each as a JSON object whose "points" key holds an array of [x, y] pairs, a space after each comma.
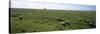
{"points": [[41, 20]]}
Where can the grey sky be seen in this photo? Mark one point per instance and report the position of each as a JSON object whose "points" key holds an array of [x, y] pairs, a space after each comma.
{"points": [[48, 5]]}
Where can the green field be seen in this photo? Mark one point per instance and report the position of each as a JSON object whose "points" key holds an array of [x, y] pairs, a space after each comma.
{"points": [[33, 20]]}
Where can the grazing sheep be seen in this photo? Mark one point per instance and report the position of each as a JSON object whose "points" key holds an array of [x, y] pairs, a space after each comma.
{"points": [[59, 19], [65, 24], [87, 21], [45, 20], [92, 24], [79, 19], [20, 17], [62, 22]]}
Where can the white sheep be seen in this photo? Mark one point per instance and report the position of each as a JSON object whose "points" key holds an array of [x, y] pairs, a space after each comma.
{"points": [[45, 20], [65, 24]]}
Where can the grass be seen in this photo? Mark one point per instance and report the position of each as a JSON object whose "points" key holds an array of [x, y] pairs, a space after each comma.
{"points": [[33, 20]]}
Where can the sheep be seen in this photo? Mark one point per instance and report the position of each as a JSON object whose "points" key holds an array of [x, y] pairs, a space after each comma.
{"points": [[79, 19], [91, 23], [45, 20], [20, 17], [65, 24], [59, 19], [86, 20]]}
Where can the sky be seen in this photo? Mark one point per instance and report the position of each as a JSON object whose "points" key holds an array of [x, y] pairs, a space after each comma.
{"points": [[51, 5]]}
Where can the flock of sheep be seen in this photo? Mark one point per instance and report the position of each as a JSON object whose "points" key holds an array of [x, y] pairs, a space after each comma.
{"points": [[91, 23], [59, 23]]}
